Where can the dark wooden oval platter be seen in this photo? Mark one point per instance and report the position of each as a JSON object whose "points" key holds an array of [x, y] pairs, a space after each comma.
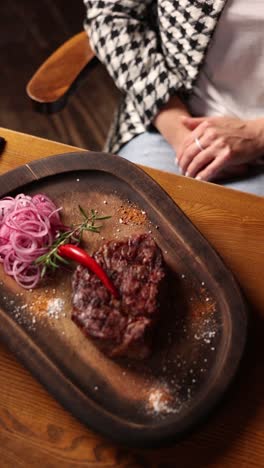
{"points": [[198, 347]]}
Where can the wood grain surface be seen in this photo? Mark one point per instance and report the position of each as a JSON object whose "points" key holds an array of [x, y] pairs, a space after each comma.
{"points": [[30, 33], [34, 429], [58, 75], [202, 333]]}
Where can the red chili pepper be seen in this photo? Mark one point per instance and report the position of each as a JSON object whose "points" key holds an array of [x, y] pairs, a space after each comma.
{"points": [[81, 256]]}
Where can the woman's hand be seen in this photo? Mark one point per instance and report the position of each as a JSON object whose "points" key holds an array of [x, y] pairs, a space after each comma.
{"points": [[228, 145], [169, 122]]}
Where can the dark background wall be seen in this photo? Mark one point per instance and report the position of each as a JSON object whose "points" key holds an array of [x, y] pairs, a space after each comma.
{"points": [[30, 30]]}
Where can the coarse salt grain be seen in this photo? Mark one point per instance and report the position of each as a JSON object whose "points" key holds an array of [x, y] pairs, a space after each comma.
{"points": [[55, 306], [159, 401]]}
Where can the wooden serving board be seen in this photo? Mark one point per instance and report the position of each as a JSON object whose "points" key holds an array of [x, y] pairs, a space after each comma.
{"points": [[199, 345]]}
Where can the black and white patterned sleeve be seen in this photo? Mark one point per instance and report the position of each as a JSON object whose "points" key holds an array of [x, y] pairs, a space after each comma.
{"points": [[121, 36]]}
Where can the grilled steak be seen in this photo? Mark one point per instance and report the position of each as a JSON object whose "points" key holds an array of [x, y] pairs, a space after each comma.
{"points": [[121, 327]]}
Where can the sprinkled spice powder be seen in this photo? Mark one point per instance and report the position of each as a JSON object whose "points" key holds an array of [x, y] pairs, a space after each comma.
{"points": [[131, 215], [37, 306]]}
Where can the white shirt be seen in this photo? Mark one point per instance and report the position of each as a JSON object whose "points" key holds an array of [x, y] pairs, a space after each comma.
{"points": [[231, 81]]}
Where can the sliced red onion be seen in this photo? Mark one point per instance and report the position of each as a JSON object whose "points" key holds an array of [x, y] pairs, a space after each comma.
{"points": [[28, 226]]}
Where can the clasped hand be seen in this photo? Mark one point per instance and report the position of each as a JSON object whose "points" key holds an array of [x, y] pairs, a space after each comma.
{"points": [[227, 146]]}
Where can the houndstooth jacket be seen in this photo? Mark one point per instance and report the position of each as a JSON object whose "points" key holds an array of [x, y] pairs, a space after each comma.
{"points": [[153, 49]]}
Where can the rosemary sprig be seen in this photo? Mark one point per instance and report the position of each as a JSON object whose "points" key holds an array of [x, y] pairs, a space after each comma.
{"points": [[51, 259]]}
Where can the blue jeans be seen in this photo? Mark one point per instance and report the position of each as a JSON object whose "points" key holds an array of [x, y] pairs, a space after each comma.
{"points": [[152, 150]]}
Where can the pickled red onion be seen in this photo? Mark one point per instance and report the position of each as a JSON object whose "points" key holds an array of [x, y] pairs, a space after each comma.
{"points": [[28, 227]]}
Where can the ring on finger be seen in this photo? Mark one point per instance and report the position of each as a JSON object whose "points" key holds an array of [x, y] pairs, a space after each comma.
{"points": [[198, 144]]}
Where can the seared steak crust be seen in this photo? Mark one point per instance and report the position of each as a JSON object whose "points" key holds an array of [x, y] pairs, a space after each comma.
{"points": [[121, 327]]}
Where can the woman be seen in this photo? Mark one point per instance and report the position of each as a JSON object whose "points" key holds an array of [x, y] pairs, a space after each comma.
{"points": [[191, 73]]}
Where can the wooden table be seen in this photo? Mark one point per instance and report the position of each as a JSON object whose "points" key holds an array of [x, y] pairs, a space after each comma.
{"points": [[35, 431]]}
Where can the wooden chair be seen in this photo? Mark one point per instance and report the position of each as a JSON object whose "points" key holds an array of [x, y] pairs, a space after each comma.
{"points": [[61, 73], [59, 76]]}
